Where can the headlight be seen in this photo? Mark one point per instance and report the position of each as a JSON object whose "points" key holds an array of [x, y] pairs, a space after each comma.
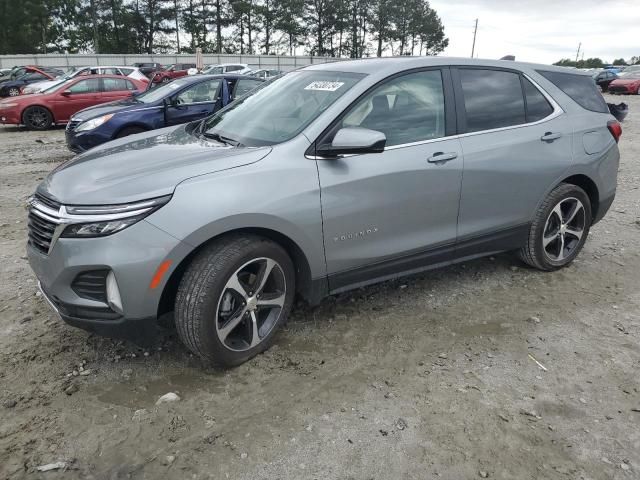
{"points": [[7, 105], [93, 123], [86, 221]]}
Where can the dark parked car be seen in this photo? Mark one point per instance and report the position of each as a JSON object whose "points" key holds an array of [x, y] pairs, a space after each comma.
{"points": [[11, 88], [181, 101], [172, 72], [149, 68], [604, 78]]}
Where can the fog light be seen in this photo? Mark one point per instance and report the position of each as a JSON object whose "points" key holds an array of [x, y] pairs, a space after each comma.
{"points": [[113, 293]]}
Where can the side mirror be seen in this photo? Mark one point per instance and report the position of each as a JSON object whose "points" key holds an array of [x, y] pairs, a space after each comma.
{"points": [[66, 93], [354, 140]]}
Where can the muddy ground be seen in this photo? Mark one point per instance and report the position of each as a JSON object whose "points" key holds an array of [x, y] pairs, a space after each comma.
{"points": [[427, 377]]}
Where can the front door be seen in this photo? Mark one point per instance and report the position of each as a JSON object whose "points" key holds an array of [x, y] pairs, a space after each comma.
{"points": [[82, 94], [194, 102], [395, 211]]}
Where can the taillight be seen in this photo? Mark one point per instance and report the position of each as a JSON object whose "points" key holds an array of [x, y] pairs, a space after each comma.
{"points": [[615, 128]]}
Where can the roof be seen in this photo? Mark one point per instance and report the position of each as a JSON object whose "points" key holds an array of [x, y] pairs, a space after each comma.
{"points": [[390, 65]]}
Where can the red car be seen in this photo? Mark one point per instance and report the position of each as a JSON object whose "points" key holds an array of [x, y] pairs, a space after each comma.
{"points": [[56, 105], [174, 71], [629, 83]]}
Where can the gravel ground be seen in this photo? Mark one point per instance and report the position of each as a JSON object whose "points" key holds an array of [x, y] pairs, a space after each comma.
{"points": [[430, 377]]}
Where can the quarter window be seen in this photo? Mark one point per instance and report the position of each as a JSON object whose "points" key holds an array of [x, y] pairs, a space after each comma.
{"points": [[492, 99], [580, 88], [243, 86], [538, 107], [406, 109]]}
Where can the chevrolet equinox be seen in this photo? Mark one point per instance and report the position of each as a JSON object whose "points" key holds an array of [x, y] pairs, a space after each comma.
{"points": [[329, 178]]}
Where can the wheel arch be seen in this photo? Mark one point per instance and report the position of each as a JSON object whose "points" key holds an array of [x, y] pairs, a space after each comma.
{"points": [[53, 117], [304, 284], [590, 188]]}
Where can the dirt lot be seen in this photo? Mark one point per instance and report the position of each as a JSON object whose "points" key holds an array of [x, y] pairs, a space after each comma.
{"points": [[428, 377]]}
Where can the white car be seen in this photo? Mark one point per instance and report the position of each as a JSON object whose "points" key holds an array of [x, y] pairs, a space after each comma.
{"points": [[240, 68], [265, 74], [131, 72]]}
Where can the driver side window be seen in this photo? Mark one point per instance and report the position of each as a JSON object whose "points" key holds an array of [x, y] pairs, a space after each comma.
{"points": [[407, 109], [199, 93], [86, 86]]}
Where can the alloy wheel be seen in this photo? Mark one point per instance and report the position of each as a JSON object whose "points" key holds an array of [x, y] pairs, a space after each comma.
{"points": [[564, 229], [14, 92], [37, 118], [251, 304]]}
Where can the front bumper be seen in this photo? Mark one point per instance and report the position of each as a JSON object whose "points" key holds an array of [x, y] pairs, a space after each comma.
{"points": [[79, 142], [8, 117], [133, 255]]}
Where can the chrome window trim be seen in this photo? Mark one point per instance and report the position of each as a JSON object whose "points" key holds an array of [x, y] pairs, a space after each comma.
{"points": [[557, 111]]}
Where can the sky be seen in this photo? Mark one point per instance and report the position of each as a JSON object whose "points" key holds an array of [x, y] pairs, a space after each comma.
{"points": [[542, 31]]}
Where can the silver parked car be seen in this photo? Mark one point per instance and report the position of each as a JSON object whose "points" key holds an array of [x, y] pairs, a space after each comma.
{"points": [[333, 177]]}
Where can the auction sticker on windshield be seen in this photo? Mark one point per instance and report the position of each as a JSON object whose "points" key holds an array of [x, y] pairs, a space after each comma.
{"points": [[324, 86]]}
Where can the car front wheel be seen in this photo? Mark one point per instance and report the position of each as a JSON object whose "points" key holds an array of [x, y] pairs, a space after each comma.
{"points": [[233, 297], [559, 229], [37, 118], [14, 92]]}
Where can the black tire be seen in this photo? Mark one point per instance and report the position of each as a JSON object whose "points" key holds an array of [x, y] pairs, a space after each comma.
{"points": [[14, 91], [37, 118], [205, 286], [534, 253], [125, 132]]}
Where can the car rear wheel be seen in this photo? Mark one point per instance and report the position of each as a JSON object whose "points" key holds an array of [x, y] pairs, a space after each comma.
{"points": [[37, 118], [559, 230], [233, 297], [14, 92], [165, 80], [125, 132]]}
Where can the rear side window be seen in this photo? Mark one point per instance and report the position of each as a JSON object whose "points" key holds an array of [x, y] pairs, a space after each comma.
{"points": [[115, 84], [492, 99], [538, 107], [126, 71], [580, 88], [244, 86]]}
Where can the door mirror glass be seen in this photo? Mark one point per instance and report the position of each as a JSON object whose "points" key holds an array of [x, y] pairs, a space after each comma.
{"points": [[353, 140]]}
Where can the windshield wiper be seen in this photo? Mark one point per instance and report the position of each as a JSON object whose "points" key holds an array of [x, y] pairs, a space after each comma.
{"points": [[222, 139]]}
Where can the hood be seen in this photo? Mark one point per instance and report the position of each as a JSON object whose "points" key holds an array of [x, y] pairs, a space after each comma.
{"points": [[126, 104], [142, 166]]}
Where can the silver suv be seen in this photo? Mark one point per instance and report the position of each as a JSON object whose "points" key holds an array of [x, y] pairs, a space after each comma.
{"points": [[329, 178]]}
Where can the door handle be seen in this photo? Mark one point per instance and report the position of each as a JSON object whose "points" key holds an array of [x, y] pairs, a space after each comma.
{"points": [[550, 136], [441, 157]]}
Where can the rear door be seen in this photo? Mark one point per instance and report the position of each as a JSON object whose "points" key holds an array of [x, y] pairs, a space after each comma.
{"points": [[517, 143], [394, 211], [194, 102], [82, 94]]}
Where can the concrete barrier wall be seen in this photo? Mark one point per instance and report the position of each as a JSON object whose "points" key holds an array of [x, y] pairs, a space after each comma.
{"points": [[278, 62]]}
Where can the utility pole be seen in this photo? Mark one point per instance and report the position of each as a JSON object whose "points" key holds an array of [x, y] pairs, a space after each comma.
{"points": [[175, 5], [578, 52], [475, 31]]}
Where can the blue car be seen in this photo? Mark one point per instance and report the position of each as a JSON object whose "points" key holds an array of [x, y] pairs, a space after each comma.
{"points": [[183, 100]]}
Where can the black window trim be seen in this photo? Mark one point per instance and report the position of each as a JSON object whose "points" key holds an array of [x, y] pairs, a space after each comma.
{"points": [[541, 73], [461, 111], [449, 112]]}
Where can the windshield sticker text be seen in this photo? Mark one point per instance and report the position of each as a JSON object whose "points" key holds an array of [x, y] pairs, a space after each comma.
{"points": [[324, 86]]}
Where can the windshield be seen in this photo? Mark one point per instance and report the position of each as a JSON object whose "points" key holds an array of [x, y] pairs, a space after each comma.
{"points": [[158, 93], [280, 109]]}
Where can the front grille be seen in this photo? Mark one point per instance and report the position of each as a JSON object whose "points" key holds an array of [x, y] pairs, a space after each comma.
{"points": [[91, 285], [73, 124], [43, 220]]}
